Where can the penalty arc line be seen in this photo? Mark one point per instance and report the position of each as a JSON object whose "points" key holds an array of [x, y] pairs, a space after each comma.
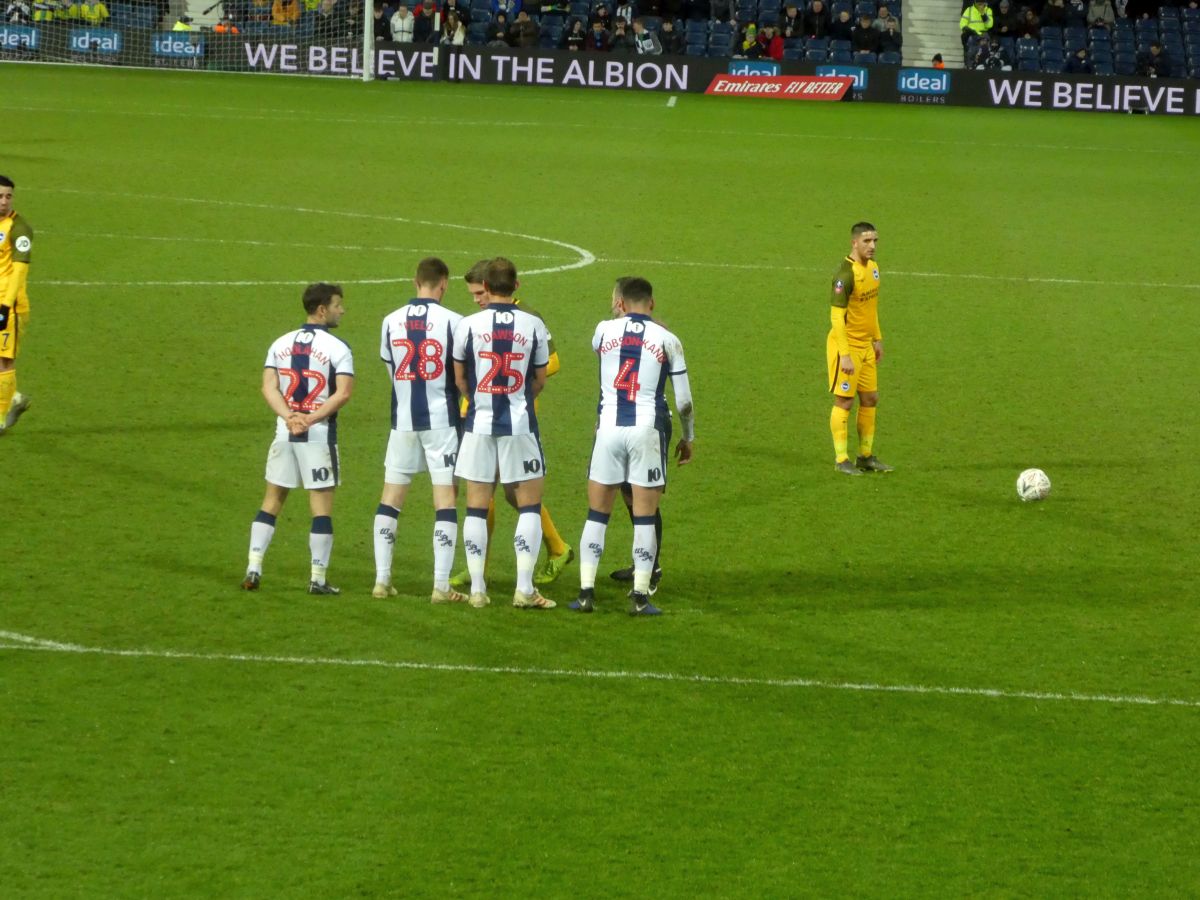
{"points": [[586, 258], [23, 642]]}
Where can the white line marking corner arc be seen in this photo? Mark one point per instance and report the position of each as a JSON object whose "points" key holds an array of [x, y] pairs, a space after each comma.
{"points": [[23, 642]]}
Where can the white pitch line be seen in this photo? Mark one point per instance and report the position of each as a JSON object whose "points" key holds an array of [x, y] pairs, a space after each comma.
{"points": [[586, 258], [29, 643], [671, 102]]}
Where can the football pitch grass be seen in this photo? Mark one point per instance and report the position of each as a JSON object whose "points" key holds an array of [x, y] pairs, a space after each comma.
{"points": [[901, 685]]}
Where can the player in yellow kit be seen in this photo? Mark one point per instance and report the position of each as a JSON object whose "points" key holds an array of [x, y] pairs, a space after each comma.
{"points": [[853, 351], [558, 554], [16, 244]]}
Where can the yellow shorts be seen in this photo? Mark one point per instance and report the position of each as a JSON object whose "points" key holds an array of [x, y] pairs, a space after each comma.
{"points": [[866, 372], [8, 333]]}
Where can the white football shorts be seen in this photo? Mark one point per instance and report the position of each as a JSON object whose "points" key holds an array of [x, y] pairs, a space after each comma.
{"points": [[292, 464], [408, 452], [633, 453], [519, 457]]}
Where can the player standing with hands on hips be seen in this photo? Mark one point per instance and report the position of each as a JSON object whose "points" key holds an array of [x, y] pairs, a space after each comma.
{"points": [[633, 433], [853, 350], [307, 378]]}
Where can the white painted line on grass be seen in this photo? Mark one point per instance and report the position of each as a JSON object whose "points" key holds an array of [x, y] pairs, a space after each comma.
{"points": [[671, 101], [586, 258], [30, 643]]}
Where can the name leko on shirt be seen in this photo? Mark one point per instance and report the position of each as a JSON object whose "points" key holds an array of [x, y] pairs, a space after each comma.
{"points": [[632, 340], [318, 355], [504, 334]]}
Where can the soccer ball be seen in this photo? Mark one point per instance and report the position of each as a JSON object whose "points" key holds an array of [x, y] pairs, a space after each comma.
{"points": [[1033, 484]]}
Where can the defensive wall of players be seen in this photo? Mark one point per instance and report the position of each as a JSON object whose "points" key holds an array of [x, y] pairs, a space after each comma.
{"points": [[404, 62]]}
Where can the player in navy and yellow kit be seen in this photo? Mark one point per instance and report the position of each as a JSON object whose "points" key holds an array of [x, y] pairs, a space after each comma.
{"points": [[853, 350], [558, 554], [16, 244]]}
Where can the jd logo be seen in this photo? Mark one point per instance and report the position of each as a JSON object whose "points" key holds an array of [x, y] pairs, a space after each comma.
{"points": [[532, 465]]}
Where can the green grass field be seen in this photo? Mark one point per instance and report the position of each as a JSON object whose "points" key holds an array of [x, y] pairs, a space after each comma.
{"points": [[904, 685]]}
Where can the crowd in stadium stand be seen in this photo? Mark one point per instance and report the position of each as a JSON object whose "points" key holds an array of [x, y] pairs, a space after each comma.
{"points": [[1086, 37]]}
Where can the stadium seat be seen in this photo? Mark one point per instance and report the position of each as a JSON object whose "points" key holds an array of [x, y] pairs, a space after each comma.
{"points": [[581, 10], [1168, 12], [482, 4], [1102, 55], [719, 52], [1191, 15], [477, 33], [769, 6], [1028, 65], [1099, 36], [768, 18], [835, 46], [1170, 26], [891, 58], [795, 43], [696, 50], [721, 28], [1125, 65], [841, 57], [1071, 44], [865, 8], [1103, 68], [1052, 33], [821, 44], [480, 16], [864, 58], [1054, 66], [794, 54], [1052, 53], [1074, 32], [836, 9], [1025, 44], [652, 23], [814, 56]]}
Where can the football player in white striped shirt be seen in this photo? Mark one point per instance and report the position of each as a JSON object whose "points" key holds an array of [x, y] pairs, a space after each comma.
{"points": [[416, 344], [637, 356], [307, 378], [500, 357]]}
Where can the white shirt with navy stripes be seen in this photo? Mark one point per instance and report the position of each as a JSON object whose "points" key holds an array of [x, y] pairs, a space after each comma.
{"points": [[637, 355], [501, 347], [416, 343], [309, 362]]}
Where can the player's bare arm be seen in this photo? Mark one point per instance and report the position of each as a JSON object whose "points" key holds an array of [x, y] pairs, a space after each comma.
{"points": [[877, 346]]}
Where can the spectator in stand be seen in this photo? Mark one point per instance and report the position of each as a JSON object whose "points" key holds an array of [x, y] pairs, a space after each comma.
{"points": [[864, 38], [674, 43], [891, 41], [1030, 26], [1054, 13], [598, 39], [771, 43], [260, 12], [841, 28], [747, 46], [18, 12], [576, 37], [1076, 13], [645, 42], [454, 32], [402, 25], [816, 20], [882, 15], [791, 24], [977, 19], [1100, 14], [510, 8], [625, 12], [937, 62], [226, 26], [1154, 63], [603, 16], [287, 12], [92, 12], [462, 10], [329, 23], [498, 37], [1008, 21], [998, 58], [622, 40], [1078, 63], [382, 22], [425, 25], [524, 32], [723, 11]]}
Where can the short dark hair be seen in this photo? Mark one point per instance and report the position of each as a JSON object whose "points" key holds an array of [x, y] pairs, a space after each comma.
{"points": [[477, 273], [5, 181], [859, 227], [431, 270], [320, 294], [635, 290], [500, 278]]}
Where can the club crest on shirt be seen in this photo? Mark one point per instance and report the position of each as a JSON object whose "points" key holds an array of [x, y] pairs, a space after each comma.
{"points": [[839, 286], [1, 237], [845, 385], [875, 272]]}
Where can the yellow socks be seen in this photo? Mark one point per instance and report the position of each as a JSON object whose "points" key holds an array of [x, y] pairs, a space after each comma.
{"points": [[866, 429], [839, 424], [8, 387], [551, 539]]}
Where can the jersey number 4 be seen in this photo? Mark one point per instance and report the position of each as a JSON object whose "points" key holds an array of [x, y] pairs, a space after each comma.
{"points": [[626, 380], [429, 360], [501, 365]]}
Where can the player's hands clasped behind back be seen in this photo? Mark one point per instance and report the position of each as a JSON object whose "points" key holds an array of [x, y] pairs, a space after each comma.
{"points": [[683, 452], [297, 422]]}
